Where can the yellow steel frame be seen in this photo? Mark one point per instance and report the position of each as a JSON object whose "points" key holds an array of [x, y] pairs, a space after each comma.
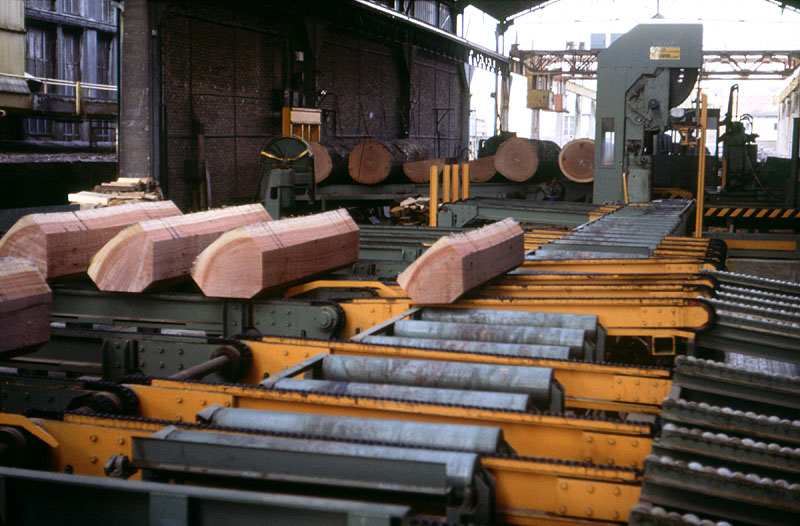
{"points": [[622, 266], [545, 435], [595, 290], [526, 488]]}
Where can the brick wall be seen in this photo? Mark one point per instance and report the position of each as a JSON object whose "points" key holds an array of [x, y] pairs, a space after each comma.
{"points": [[229, 76]]}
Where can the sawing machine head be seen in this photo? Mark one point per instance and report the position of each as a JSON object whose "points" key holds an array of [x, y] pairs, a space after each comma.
{"points": [[640, 77]]}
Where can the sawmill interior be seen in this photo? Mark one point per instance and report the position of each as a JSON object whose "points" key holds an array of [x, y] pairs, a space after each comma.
{"points": [[400, 262]]}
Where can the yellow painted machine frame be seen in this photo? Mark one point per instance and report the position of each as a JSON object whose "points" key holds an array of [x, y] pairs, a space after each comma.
{"points": [[527, 489]]}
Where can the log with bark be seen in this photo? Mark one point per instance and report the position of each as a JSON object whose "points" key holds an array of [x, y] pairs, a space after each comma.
{"points": [[420, 171], [330, 160], [460, 262], [25, 304], [372, 161], [576, 160], [255, 258], [520, 159], [162, 251], [61, 244]]}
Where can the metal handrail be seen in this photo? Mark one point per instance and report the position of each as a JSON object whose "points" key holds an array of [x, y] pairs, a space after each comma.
{"points": [[77, 84]]}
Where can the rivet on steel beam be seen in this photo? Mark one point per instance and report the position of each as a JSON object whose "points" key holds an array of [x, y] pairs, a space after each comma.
{"points": [[562, 509], [589, 512], [587, 459], [179, 400], [93, 459], [203, 402], [610, 461], [617, 491], [305, 355], [227, 404], [654, 400], [617, 396], [120, 441], [93, 438], [286, 353], [589, 438], [564, 486], [636, 382], [590, 488], [634, 442], [615, 515], [619, 380]]}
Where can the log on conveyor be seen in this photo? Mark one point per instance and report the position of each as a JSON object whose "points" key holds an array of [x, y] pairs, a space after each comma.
{"points": [[330, 160], [460, 262], [420, 171], [161, 251], [251, 259], [372, 161], [25, 304], [520, 159], [576, 160], [61, 244], [481, 169]]}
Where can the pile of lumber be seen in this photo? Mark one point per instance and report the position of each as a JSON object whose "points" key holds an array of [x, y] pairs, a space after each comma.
{"points": [[255, 258], [161, 251], [412, 211], [124, 189], [25, 304], [458, 263], [61, 244]]}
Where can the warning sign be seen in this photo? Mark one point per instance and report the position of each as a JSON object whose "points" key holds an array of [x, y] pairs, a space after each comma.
{"points": [[665, 53]]}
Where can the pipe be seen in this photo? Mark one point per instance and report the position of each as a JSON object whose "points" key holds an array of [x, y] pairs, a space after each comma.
{"points": [[202, 370], [426, 395], [533, 381], [459, 467], [477, 439], [557, 352], [572, 338], [584, 322]]}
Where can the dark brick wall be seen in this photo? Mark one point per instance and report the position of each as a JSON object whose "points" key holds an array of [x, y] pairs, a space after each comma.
{"points": [[224, 67]]}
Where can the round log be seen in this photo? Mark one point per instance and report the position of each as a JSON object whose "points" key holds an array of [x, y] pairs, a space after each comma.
{"points": [[372, 161], [516, 159], [520, 159], [481, 169], [329, 159], [576, 160], [420, 171]]}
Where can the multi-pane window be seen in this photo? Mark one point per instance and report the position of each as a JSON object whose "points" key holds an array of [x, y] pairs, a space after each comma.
{"points": [[105, 61], [71, 55], [101, 10], [103, 131], [72, 7], [39, 51], [49, 5]]}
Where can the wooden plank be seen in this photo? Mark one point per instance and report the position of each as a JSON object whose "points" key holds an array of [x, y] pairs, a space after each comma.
{"points": [[460, 262], [89, 198], [61, 244], [153, 253], [25, 304], [255, 258]]}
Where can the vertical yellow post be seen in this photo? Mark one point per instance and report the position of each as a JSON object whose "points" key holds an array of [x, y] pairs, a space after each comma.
{"points": [[433, 218], [446, 184], [455, 183], [77, 98], [625, 186], [701, 166], [465, 181]]}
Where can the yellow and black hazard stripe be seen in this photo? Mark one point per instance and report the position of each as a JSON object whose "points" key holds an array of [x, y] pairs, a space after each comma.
{"points": [[754, 213]]}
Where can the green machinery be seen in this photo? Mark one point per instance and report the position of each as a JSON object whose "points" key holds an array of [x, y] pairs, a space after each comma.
{"points": [[287, 175], [644, 74]]}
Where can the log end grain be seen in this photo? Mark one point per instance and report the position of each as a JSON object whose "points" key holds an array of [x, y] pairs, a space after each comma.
{"points": [[369, 163], [460, 262], [322, 161], [420, 171], [576, 160], [481, 169], [516, 159]]}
